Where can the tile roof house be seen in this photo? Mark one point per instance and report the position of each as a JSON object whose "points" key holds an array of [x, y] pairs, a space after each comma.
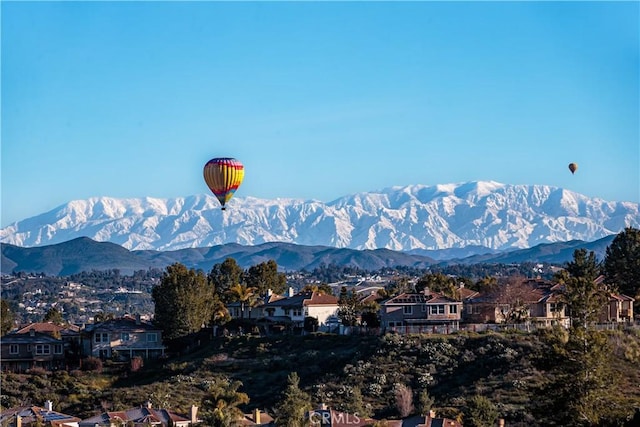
{"points": [[294, 308], [414, 312], [143, 416], [30, 416], [538, 301], [19, 352], [257, 418], [619, 307], [126, 337]]}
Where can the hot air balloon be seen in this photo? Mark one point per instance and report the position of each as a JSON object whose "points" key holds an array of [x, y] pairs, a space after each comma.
{"points": [[573, 167], [223, 176]]}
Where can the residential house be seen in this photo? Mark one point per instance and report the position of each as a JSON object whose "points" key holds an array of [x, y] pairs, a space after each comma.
{"points": [[532, 301], [293, 309], [619, 307], [69, 333], [19, 352], [144, 416], [124, 337], [31, 416], [255, 310], [416, 312], [257, 418]]}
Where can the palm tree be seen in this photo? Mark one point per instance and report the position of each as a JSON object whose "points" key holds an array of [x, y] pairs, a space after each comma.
{"points": [[244, 294]]}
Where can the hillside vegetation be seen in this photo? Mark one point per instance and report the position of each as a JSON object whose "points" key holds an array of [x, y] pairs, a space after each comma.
{"points": [[351, 373]]}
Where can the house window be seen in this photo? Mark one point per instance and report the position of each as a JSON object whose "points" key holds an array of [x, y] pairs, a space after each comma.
{"points": [[57, 349], [469, 309], [407, 309], [437, 309], [453, 309], [152, 337], [423, 308], [297, 312], [555, 307], [13, 349], [124, 336], [29, 348], [43, 349], [101, 337], [286, 311]]}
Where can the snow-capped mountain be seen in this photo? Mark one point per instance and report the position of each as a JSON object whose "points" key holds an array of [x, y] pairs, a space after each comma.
{"points": [[485, 213]]}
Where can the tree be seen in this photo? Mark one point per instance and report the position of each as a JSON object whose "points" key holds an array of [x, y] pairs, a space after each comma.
{"points": [[6, 317], [622, 262], [480, 412], [224, 276], [294, 405], [183, 301], [348, 307], [584, 296], [584, 380], [224, 402], [440, 283], [404, 399], [53, 315], [243, 294], [265, 276], [321, 289], [425, 402]]}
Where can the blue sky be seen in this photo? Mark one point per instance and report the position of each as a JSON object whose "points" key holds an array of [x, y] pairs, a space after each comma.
{"points": [[317, 99]]}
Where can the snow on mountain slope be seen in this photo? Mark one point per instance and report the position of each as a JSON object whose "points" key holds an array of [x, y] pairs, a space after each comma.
{"points": [[485, 213]]}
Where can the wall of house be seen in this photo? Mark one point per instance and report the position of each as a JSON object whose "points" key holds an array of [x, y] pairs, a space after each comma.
{"points": [[322, 312]]}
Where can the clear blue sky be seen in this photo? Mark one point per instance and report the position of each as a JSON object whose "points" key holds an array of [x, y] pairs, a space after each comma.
{"points": [[317, 99]]}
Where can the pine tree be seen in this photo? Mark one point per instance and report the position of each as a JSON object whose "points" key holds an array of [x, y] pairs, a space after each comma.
{"points": [[294, 406], [480, 412], [622, 262], [584, 381]]}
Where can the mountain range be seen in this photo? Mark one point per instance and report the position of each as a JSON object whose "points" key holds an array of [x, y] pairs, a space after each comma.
{"points": [[473, 217], [84, 254]]}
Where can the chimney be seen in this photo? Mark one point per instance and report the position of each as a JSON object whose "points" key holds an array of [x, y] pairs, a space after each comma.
{"points": [[291, 292], [18, 421], [32, 332], [269, 292], [48, 405], [323, 406], [501, 422], [432, 414], [193, 414], [256, 416], [137, 319], [149, 404]]}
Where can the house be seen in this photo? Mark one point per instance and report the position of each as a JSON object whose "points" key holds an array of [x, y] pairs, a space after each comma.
{"points": [[257, 418], [415, 312], [144, 416], [70, 334], [619, 307], [533, 301], [255, 310], [31, 416], [125, 337], [20, 352], [303, 304]]}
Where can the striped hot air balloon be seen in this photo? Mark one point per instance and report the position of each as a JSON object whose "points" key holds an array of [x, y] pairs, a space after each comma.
{"points": [[223, 176]]}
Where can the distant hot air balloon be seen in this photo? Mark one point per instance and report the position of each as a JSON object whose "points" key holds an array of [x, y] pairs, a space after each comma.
{"points": [[223, 176], [573, 167]]}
